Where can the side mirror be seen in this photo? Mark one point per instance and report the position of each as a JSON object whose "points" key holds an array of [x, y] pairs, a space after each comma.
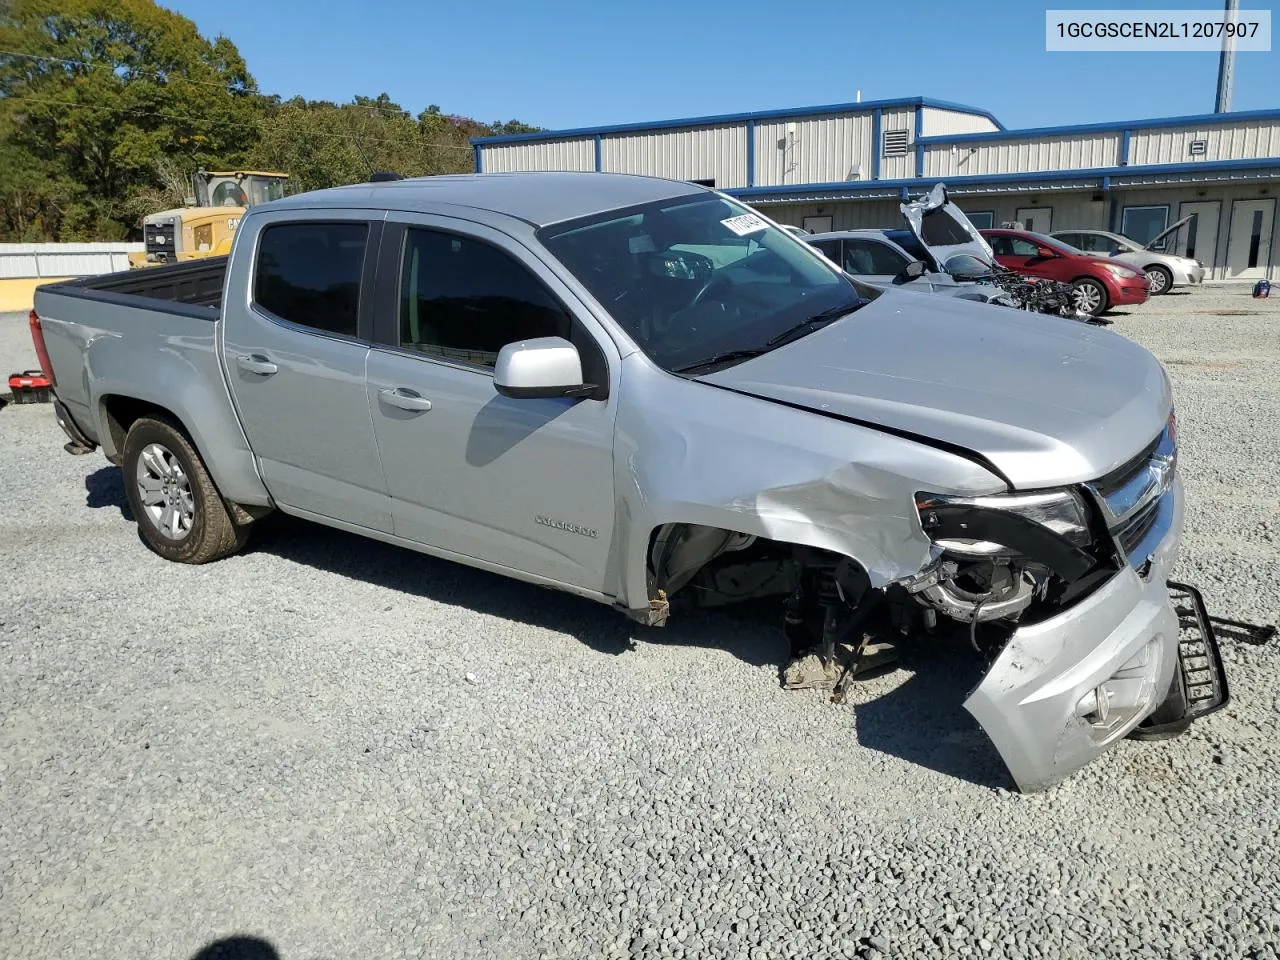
{"points": [[543, 367], [1045, 253], [912, 271]]}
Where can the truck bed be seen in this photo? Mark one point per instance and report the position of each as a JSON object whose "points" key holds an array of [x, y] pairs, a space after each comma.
{"points": [[192, 288], [147, 334]]}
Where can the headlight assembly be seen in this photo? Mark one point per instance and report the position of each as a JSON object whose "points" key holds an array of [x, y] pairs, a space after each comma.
{"points": [[1002, 525]]}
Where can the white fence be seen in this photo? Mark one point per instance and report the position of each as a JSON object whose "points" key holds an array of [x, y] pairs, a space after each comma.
{"points": [[22, 260]]}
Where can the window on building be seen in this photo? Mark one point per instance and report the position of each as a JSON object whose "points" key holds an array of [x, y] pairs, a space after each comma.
{"points": [[1143, 224], [309, 273], [870, 258], [463, 299], [982, 219]]}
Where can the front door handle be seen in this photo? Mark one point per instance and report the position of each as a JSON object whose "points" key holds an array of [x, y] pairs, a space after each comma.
{"points": [[405, 399], [256, 363]]}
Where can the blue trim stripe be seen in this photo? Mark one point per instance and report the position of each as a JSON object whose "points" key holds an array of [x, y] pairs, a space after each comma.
{"points": [[598, 154], [996, 179], [1202, 119], [863, 107], [751, 153], [877, 146], [479, 159], [1124, 147]]}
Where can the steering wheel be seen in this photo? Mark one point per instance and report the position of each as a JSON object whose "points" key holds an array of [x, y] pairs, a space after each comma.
{"points": [[715, 280]]}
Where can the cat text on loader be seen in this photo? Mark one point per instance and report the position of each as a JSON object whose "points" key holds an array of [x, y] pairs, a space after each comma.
{"points": [[205, 227]]}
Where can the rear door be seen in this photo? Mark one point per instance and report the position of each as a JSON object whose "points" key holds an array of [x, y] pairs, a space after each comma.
{"points": [[295, 345], [521, 483]]}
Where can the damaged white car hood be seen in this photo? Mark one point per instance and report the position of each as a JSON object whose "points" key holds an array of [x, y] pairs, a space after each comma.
{"points": [[1046, 401]]}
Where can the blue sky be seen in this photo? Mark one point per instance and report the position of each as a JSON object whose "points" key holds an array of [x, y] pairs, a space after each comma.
{"points": [[569, 63]]}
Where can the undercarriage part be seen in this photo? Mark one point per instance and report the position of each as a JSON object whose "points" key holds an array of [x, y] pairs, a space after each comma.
{"points": [[680, 550], [1006, 593]]}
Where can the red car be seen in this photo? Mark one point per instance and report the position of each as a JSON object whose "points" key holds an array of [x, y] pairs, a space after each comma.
{"points": [[1100, 282]]}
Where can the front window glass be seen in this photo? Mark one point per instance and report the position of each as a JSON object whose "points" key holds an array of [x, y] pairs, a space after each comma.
{"points": [[462, 299], [695, 278], [867, 257]]}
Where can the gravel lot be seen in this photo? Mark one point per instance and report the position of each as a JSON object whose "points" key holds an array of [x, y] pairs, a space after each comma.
{"points": [[350, 750]]}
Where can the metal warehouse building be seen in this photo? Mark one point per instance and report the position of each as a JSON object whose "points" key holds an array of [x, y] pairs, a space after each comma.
{"points": [[845, 166]]}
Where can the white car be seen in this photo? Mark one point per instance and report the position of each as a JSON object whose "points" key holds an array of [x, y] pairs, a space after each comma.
{"points": [[1164, 270]]}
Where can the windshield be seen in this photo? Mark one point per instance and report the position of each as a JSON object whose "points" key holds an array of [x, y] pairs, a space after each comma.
{"points": [[693, 278], [966, 267]]}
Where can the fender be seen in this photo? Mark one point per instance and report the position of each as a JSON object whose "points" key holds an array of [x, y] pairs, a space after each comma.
{"points": [[185, 379], [689, 452]]}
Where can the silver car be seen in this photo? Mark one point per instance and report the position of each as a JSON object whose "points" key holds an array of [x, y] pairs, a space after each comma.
{"points": [[1164, 270], [879, 258]]}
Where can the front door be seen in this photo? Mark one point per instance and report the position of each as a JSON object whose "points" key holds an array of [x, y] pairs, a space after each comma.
{"points": [[1199, 238], [522, 483], [1036, 219], [295, 353], [1249, 241]]}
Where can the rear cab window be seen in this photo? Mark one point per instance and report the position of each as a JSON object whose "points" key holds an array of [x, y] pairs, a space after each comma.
{"points": [[309, 273]]}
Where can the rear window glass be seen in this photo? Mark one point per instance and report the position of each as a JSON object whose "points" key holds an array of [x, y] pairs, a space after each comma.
{"points": [[309, 274], [940, 229]]}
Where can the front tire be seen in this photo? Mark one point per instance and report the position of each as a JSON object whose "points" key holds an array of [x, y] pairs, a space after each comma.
{"points": [[1090, 296], [1160, 279], [179, 512]]}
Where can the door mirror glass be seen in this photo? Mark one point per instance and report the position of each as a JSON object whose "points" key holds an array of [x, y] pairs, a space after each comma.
{"points": [[1046, 253], [912, 271], [542, 367]]}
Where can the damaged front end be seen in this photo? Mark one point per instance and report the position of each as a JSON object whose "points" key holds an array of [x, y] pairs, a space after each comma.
{"points": [[1061, 592]]}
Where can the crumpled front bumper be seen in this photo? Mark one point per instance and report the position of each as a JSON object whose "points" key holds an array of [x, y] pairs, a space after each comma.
{"points": [[1120, 643]]}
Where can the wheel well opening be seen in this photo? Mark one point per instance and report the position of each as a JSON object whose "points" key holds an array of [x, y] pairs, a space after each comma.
{"points": [[123, 412]]}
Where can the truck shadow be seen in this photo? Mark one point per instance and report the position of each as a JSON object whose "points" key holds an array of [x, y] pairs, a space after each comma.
{"points": [[923, 721], [105, 488], [919, 720], [237, 948]]}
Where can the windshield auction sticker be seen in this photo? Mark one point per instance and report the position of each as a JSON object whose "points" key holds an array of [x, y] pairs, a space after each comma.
{"points": [[744, 224], [1157, 30]]}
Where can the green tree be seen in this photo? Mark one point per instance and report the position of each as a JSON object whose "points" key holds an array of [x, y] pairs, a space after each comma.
{"points": [[105, 93]]}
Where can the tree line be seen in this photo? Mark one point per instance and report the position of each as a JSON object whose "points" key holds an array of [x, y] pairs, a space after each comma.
{"points": [[107, 107]]}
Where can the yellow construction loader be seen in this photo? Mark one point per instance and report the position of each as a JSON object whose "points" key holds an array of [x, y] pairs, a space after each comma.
{"points": [[205, 226]]}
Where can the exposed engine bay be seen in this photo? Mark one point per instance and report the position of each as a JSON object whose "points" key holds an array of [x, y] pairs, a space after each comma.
{"points": [[997, 562]]}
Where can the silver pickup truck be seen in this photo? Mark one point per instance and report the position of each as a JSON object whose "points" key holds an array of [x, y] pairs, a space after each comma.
{"points": [[644, 393]]}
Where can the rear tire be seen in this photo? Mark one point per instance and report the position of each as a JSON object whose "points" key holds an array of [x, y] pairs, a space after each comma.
{"points": [[1160, 279], [180, 514], [1090, 296]]}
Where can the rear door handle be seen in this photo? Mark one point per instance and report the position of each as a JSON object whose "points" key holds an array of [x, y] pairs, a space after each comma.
{"points": [[256, 363], [405, 399]]}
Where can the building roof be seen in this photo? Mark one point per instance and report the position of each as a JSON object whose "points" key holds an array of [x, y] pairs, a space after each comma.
{"points": [[536, 198], [782, 114]]}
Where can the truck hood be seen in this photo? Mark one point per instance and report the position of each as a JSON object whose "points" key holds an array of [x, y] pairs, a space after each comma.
{"points": [[1045, 400]]}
